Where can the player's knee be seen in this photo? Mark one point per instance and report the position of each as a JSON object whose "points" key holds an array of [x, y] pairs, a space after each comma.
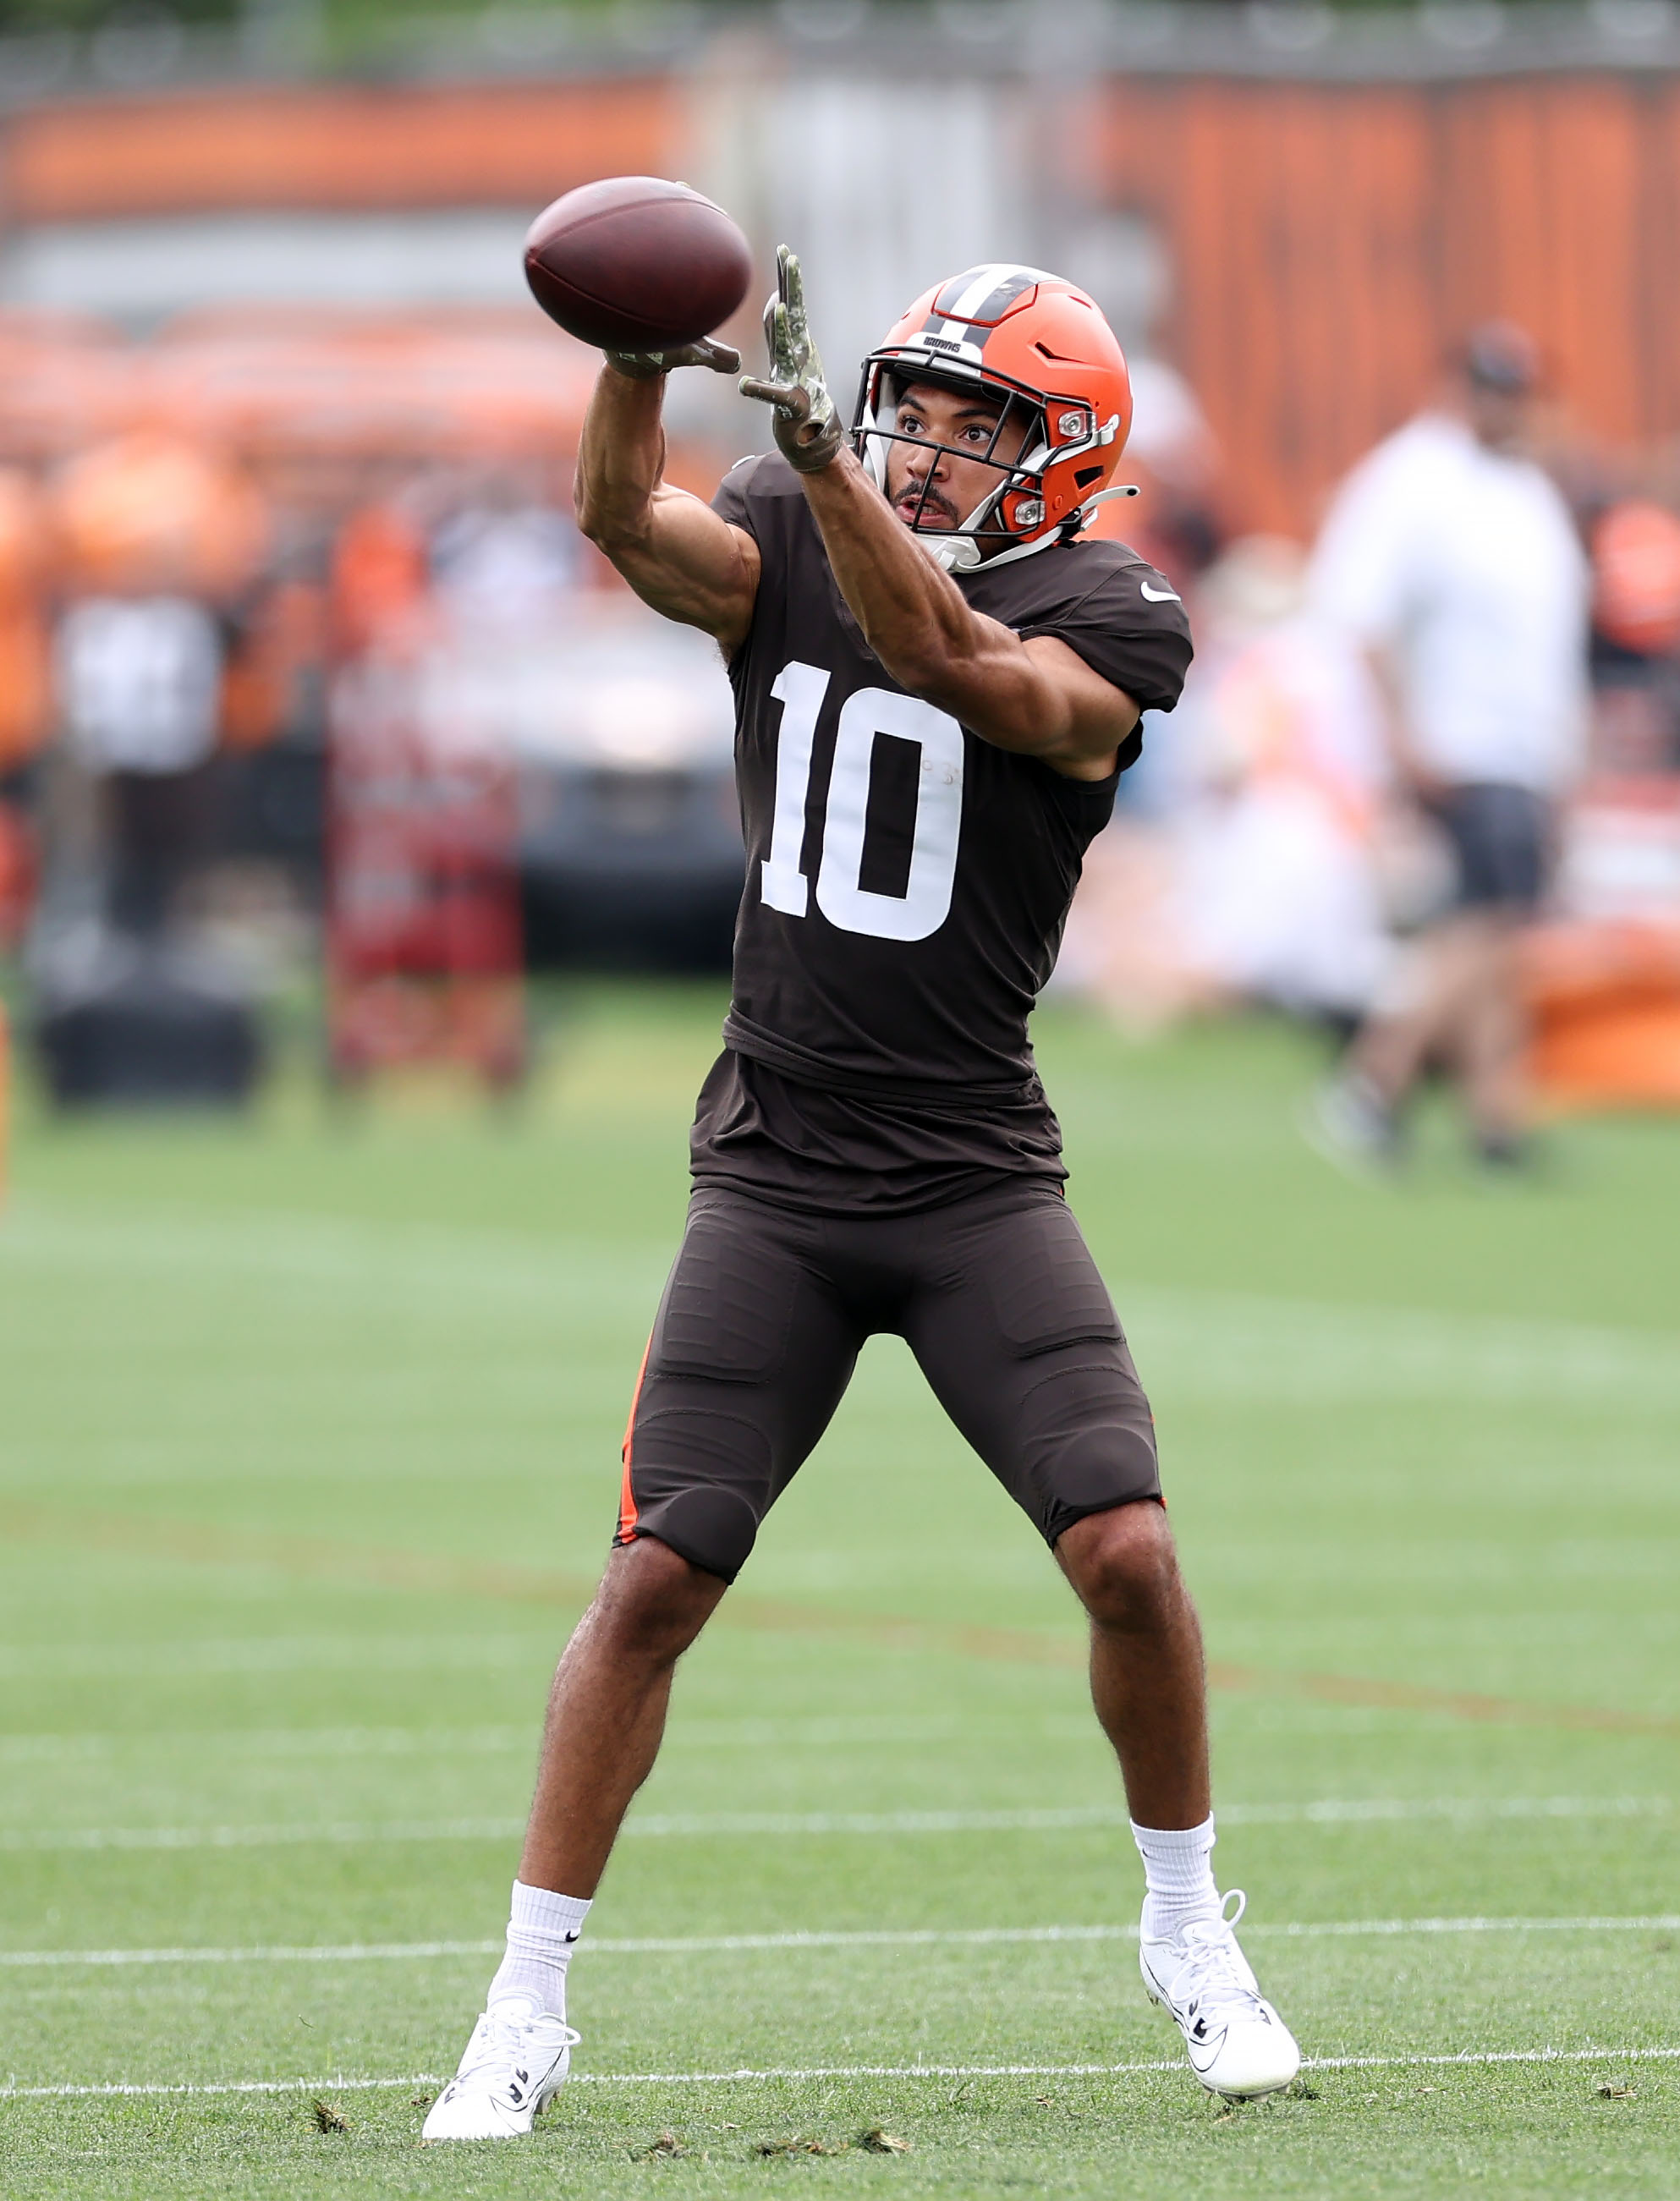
{"points": [[711, 1525], [655, 1601], [1122, 1563]]}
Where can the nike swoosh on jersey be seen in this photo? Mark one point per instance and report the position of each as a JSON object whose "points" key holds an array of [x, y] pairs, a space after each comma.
{"points": [[1160, 596]]}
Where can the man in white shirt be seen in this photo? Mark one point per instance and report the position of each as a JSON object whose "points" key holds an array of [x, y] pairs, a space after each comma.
{"points": [[1451, 558]]}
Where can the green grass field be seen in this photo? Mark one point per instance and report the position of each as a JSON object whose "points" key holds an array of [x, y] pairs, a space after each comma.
{"points": [[307, 1456]]}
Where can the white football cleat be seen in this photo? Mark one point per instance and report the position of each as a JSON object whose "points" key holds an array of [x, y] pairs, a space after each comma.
{"points": [[1238, 2045], [515, 2061]]}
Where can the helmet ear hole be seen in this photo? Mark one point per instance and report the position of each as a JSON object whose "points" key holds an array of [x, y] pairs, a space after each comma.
{"points": [[1084, 476]]}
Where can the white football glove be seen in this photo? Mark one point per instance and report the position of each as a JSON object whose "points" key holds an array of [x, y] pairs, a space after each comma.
{"points": [[807, 426]]}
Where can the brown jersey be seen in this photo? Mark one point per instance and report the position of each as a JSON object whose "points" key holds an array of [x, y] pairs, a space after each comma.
{"points": [[908, 882]]}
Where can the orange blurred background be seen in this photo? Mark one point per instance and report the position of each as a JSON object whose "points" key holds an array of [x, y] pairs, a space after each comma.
{"points": [[258, 335]]}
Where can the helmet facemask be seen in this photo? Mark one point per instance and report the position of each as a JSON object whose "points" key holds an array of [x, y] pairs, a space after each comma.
{"points": [[1012, 506], [1009, 521]]}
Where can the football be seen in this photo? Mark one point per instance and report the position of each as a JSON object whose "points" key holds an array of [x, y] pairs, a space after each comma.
{"points": [[634, 263]]}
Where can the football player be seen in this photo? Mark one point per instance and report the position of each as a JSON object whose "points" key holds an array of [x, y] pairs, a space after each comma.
{"points": [[937, 685]]}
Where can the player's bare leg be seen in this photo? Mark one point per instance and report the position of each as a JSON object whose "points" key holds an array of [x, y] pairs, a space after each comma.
{"points": [[606, 1717], [607, 1710], [1148, 1677], [1148, 1684]]}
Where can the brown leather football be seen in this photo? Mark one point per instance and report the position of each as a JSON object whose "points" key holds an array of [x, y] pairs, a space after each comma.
{"points": [[634, 263]]}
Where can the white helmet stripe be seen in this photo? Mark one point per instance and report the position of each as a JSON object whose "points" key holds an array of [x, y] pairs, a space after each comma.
{"points": [[977, 287], [979, 294]]}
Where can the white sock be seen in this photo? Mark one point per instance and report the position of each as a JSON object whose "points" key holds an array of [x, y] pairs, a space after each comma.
{"points": [[542, 1931], [1178, 1875]]}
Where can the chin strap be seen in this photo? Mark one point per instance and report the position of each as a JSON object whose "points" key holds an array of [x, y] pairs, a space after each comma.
{"points": [[950, 552], [956, 552]]}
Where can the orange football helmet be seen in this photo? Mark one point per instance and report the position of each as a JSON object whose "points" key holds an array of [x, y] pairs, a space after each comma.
{"points": [[1030, 341]]}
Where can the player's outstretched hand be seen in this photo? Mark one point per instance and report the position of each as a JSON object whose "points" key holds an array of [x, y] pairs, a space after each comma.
{"points": [[807, 426], [644, 366]]}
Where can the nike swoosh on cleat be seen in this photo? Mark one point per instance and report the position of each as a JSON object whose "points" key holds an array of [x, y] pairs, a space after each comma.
{"points": [[1160, 596]]}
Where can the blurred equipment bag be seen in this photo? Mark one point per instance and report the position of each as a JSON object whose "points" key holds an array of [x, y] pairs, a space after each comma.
{"points": [[141, 1033]]}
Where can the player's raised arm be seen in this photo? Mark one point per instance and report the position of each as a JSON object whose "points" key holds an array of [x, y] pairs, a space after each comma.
{"points": [[674, 551], [642, 269]]}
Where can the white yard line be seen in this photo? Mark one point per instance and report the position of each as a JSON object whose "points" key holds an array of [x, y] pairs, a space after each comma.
{"points": [[1468, 2057], [353, 1952], [654, 1826], [347, 1953], [1359, 1810]]}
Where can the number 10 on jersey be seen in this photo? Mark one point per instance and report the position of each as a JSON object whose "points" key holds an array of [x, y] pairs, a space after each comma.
{"points": [[843, 901]]}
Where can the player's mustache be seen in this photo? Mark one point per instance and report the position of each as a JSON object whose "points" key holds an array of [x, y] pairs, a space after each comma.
{"points": [[925, 501]]}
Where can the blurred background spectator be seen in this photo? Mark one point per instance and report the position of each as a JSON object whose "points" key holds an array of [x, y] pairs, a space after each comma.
{"points": [[1453, 560], [1279, 897], [1253, 871], [157, 540]]}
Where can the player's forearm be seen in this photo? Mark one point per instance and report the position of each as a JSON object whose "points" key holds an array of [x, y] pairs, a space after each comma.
{"points": [[674, 551], [620, 461], [917, 620]]}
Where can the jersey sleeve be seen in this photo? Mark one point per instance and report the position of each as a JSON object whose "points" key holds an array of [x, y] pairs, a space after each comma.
{"points": [[1131, 628], [734, 502]]}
